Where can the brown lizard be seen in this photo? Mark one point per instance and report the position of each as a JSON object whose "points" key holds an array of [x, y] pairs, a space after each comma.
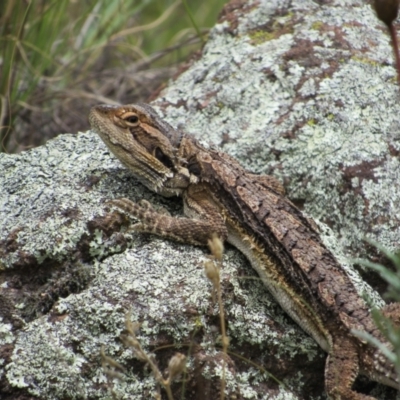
{"points": [[251, 212]]}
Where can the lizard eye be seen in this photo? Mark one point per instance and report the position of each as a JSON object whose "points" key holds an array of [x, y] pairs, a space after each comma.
{"points": [[132, 119], [163, 158]]}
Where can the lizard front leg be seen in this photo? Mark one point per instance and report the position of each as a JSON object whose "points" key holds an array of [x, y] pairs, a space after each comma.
{"points": [[204, 220]]}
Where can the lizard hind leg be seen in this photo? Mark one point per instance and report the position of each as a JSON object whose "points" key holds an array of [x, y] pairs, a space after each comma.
{"points": [[341, 370]]}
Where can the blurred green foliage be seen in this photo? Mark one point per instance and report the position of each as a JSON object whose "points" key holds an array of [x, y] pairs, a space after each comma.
{"points": [[49, 45], [389, 327]]}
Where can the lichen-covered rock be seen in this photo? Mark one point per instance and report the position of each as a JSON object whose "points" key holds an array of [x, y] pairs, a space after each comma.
{"points": [[301, 90], [307, 92]]}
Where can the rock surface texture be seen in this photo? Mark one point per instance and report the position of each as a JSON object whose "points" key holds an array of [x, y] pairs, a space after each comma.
{"points": [[305, 91]]}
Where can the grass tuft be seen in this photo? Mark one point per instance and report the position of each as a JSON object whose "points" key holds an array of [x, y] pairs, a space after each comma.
{"points": [[60, 57]]}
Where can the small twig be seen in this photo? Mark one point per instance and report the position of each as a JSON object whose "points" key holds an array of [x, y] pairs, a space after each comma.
{"points": [[151, 25], [189, 13], [176, 364], [212, 269], [110, 367]]}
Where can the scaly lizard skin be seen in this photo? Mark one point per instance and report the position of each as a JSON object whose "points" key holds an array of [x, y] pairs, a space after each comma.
{"points": [[250, 212]]}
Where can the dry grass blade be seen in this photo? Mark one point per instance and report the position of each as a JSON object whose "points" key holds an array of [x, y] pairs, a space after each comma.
{"points": [[149, 26]]}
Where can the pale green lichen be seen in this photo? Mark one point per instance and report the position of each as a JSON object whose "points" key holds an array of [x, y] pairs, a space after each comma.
{"points": [[317, 25], [258, 37], [6, 335]]}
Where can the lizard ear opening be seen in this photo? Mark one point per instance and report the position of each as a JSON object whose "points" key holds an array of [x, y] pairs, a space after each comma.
{"points": [[164, 159]]}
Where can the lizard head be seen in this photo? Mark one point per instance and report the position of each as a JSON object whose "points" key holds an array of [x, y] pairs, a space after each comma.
{"points": [[144, 143]]}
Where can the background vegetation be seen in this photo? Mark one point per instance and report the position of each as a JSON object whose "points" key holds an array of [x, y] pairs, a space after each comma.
{"points": [[388, 321], [59, 57]]}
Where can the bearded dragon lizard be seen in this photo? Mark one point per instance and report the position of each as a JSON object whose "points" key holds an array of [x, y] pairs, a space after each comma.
{"points": [[250, 212]]}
